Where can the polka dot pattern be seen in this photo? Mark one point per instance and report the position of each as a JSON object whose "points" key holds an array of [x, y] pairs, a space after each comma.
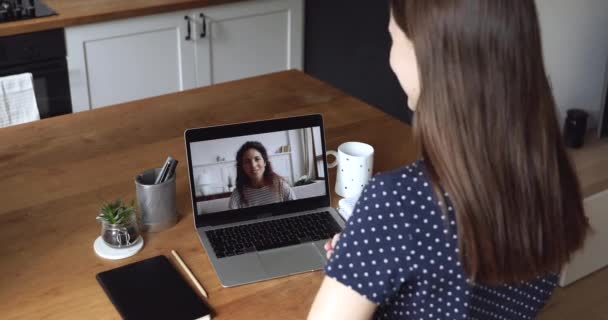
{"points": [[401, 252]]}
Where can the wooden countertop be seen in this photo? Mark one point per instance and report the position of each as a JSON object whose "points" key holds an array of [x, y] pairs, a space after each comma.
{"points": [[74, 12], [55, 173]]}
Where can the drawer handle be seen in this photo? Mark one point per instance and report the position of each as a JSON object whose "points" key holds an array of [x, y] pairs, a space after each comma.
{"points": [[204, 26], [188, 36]]}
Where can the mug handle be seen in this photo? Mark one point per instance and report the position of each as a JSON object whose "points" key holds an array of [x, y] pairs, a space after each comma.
{"points": [[335, 154]]}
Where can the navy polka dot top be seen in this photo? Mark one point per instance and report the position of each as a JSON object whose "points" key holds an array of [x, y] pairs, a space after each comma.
{"points": [[400, 252]]}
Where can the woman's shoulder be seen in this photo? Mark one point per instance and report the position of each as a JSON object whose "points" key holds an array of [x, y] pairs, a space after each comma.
{"points": [[234, 201], [283, 182], [406, 179], [405, 192]]}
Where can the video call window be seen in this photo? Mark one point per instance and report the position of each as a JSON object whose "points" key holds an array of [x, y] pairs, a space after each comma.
{"points": [[258, 169]]}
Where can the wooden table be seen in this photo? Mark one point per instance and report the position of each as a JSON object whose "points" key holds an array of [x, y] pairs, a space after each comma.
{"points": [[55, 173]]}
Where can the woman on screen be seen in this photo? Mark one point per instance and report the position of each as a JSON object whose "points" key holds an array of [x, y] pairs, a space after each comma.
{"points": [[256, 182]]}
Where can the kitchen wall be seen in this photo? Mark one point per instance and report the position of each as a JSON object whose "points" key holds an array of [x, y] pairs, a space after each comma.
{"points": [[575, 45], [347, 46]]}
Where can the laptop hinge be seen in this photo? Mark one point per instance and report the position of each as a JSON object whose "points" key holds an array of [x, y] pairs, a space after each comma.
{"points": [[265, 215]]}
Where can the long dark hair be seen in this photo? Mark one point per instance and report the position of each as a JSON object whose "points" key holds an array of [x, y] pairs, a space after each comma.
{"points": [[242, 180], [487, 128]]}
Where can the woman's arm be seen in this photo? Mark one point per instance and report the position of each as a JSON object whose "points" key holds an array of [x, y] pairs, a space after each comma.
{"points": [[288, 193], [336, 301], [235, 200]]}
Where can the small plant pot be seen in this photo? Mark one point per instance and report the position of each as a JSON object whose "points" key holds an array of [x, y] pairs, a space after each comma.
{"points": [[120, 235]]}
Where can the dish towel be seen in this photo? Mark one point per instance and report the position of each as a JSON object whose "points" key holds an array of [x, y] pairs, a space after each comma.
{"points": [[17, 100]]}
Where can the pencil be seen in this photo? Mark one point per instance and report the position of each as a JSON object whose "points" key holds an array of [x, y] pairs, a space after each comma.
{"points": [[183, 265]]}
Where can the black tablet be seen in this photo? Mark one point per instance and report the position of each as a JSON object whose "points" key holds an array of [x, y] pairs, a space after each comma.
{"points": [[152, 289]]}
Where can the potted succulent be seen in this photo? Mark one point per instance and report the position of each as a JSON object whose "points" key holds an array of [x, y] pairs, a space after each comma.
{"points": [[119, 226]]}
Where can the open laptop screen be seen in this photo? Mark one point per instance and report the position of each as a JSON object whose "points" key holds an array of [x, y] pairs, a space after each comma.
{"points": [[257, 173]]}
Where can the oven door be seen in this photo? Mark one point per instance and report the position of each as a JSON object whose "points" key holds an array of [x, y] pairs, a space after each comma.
{"points": [[51, 85]]}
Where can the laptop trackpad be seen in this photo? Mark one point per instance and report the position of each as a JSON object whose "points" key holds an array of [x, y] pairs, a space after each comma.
{"points": [[290, 260]]}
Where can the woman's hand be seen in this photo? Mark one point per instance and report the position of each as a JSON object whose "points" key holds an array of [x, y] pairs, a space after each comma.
{"points": [[330, 245]]}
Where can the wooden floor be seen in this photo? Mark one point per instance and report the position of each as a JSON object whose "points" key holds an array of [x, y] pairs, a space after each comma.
{"points": [[585, 299]]}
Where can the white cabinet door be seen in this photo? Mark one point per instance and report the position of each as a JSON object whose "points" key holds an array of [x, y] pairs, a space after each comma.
{"points": [[249, 38], [129, 59], [592, 256], [136, 58]]}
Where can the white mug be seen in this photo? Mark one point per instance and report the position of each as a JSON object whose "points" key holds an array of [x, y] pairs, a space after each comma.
{"points": [[355, 161]]}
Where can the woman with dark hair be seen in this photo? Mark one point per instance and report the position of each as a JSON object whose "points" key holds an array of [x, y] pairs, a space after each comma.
{"points": [[480, 227], [256, 182]]}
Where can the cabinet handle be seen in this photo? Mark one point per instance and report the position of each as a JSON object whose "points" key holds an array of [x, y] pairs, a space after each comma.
{"points": [[204, 27], [188, 36]]}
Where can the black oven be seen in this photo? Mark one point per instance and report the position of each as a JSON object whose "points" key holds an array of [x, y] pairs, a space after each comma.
{"points": [[43, 54]]}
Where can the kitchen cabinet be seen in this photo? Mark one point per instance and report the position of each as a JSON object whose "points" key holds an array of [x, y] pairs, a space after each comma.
{"points": [[250, 38], [592, 256], [119, 61], [135, 58]]}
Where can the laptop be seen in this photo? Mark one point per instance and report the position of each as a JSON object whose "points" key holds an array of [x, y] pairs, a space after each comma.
{"points": [[260, 197]]}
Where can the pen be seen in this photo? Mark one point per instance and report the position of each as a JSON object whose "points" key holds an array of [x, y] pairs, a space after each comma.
{"points": [[187, 270], [163, 171], [170, 170]]}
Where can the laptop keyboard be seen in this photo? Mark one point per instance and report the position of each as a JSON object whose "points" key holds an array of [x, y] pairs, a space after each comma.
{"points": [[272, 234]]}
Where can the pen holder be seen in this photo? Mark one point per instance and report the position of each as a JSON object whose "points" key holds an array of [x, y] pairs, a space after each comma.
{"points": [[156, 201]]}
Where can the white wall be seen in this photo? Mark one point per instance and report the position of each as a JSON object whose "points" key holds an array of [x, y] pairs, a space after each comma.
{"points": [[575, 45], [206, 152], [297, 151]]}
